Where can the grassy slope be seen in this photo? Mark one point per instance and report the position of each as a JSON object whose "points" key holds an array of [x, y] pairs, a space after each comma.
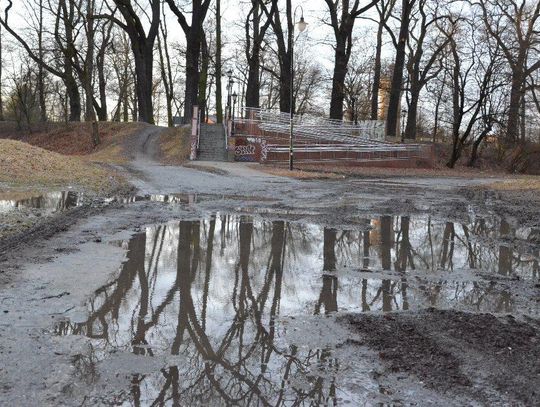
{"points": [[24, 165], [174, 145], [71, 138], [60, 154]]}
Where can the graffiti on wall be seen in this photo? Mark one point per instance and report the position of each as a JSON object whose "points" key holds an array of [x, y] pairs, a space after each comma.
{"points": [[250, 149]]}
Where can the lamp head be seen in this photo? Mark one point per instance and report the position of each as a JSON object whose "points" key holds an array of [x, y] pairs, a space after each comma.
{"points": [[229, 73], [302, 25], [234, 96]]}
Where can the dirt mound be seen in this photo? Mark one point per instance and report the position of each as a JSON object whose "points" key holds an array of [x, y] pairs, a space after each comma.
{"points": [[23, 164], [71, 138]]}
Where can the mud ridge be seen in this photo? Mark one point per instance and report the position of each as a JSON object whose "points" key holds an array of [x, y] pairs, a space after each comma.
{"points": [[490, 359]]}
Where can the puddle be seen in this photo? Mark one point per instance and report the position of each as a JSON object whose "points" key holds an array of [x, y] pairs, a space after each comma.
{"points": [[170, 198], [50, 202], [230, 309]]}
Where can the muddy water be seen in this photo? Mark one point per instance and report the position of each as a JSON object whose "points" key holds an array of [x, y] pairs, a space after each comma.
{"points": [[234, 307], [46, 203]]}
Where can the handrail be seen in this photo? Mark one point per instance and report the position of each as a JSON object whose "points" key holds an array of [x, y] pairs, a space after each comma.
{"points": [[309, 126]]}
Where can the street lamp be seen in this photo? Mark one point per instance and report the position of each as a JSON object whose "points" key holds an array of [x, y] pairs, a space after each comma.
{"points": [[230, 84], [234, 96], [302, 25]]}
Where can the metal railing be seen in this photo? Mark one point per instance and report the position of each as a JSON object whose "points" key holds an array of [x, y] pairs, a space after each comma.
{"points": [[344, 152], [313, 127], [321, 139]]}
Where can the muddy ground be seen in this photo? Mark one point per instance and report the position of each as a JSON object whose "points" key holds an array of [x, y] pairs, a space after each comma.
{"points": [[326, 325]]}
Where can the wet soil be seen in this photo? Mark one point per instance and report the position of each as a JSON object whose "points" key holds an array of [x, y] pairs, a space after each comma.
{"points": [[486, 359], [238, 288]]}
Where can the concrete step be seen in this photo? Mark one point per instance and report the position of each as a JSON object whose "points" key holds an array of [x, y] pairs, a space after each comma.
{"points": [[212, 143]]}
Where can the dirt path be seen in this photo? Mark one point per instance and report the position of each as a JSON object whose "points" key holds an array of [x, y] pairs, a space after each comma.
{"points": [[367, 349]]}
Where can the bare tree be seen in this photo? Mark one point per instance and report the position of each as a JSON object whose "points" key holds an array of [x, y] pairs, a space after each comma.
{"points": [[514, 26], [284, 42], [394, 102], [65, 70], [384, 11], [342, 19], [255, 34], [423, 63], [166, 69], [142, 46], [194, 36], [218, 64], [1, 72]]}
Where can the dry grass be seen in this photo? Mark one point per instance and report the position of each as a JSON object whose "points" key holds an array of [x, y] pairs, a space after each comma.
{"points": [[174, 145], [23, 164], [351, 171], [18, 195], [524, 183], [71, 138], [75, 139]]}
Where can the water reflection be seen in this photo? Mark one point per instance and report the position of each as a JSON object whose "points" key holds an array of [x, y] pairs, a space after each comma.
{"points": [[48, 202], [213, 294]]}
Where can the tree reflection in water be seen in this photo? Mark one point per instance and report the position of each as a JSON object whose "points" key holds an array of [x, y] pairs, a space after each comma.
{"points": [[219, 310]]}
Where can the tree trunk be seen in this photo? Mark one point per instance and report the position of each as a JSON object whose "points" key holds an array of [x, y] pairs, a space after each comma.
{"points": [[474, 152], [143, 70], [142, 46], [219, 105], [41, 71], [88, 72], [456, 154], [397, 77], [253, 80], [203, 78], [1, 60], [436, 119], [338, 80], [285, 83], [165, 80], [412, 115], [102, 83], [72, 87], [476, 145], [72, 91], [523, 118], [516, 94], [193, 50], [377, 75]]}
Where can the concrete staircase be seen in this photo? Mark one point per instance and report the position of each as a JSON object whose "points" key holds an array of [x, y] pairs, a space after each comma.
{"points": [[212, 143]]}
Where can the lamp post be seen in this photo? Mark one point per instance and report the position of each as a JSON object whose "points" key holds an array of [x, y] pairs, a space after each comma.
{"points": [[230, 82], [302, 25], [234, 96]]}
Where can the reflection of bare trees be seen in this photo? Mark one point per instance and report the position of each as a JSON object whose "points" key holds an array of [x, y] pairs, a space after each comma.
{"points": [[329, 290], [217, 305], [242, 365], [437, 248]]}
